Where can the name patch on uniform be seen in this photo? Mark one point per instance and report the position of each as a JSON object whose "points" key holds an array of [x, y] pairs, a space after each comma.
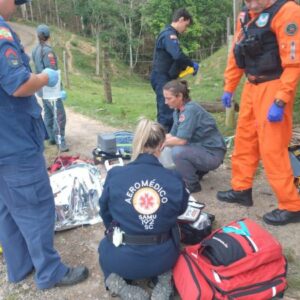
{"points": [[181, 118], [173, 37], [262, 20], [12, 57], [5, 34], [51, 58], [291, 29]]}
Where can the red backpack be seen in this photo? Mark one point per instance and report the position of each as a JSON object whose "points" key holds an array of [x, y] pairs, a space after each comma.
{"points": [[238, 261]]}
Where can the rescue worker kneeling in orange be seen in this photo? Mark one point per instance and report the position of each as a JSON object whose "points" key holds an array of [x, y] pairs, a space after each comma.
{"points": [[267, 50]]}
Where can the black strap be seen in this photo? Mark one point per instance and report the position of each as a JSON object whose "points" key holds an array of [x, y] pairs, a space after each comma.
{"points": [[105, 155], [260, 79], [154, 239]]}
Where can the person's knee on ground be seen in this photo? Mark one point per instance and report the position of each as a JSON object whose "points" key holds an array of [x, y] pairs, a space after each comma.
{"points": [[186, 169], [163, 288], [118, 286]]}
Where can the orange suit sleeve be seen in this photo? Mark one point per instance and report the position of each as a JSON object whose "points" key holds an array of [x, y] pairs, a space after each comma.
{"points": [[233, 73], [286, 26]]}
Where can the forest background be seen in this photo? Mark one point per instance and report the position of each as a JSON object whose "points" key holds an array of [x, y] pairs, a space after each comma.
{"points": [[110, 48]]}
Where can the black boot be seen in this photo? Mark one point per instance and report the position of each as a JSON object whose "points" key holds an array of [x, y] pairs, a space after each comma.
{"points": [[74, 276], [281, 217], [200, 174], [194, 188], [241, 197]]}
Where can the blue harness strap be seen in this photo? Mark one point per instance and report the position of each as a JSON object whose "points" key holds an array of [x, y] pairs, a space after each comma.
{"points": [[241, 231]]}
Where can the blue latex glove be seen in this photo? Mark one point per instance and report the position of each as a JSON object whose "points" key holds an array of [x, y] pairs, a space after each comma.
{"points": [[52, 76], [226, 99], [63, 95], [196, 68], [275, 113]]}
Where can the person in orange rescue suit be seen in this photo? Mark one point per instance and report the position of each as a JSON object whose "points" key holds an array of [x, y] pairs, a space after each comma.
{"points": [[267, 51], [139, 206]]}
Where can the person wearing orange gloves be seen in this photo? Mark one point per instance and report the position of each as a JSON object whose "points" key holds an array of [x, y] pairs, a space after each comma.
{"points": [[267, 50]]}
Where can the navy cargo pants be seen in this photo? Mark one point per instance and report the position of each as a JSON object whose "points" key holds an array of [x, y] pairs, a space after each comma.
{"points": [[27, 215], [164, 113]]}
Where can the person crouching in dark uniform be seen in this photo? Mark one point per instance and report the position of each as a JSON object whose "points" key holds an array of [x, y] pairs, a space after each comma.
{"points": [[139, 206]]}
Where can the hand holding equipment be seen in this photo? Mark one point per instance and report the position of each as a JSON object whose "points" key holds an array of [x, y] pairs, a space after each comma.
{"points": [[52, 76], [63, 95], [226, 99], [196, 68]]}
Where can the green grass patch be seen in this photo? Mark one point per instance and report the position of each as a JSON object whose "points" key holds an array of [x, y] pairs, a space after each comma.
{"points": [[83, 63]]}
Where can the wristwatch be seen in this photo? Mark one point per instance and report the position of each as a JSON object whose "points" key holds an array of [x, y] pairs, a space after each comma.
{"points": [[279, 103]]}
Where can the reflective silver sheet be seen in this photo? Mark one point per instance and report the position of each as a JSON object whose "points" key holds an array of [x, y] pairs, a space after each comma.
{"points": [[76, 191]]}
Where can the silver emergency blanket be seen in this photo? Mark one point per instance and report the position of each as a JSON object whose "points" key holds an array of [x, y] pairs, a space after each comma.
{"points": [[76, 190]]}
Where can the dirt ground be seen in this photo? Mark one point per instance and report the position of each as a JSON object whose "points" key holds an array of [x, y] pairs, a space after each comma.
{"points": [[79, 246]]}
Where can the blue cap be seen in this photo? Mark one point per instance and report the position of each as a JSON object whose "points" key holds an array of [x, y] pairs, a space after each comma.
{"points": [[20, 2], [43, 30]]}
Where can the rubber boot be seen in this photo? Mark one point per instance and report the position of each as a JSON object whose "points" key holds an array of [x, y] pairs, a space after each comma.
{"points": [[164, 287], [118, 286]]}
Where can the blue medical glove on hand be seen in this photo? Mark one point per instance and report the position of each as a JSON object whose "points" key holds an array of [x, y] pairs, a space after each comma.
{"points": [[226, 99], [275, 113], [196, 68], [52, 76], [63, 95]]}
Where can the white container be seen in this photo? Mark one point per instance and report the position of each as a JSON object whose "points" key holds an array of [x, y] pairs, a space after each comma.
{"points": [[165, 158], [53, 93]]}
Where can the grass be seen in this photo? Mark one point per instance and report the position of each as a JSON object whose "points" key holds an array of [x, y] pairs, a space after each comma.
{"points": [[133, 96]]}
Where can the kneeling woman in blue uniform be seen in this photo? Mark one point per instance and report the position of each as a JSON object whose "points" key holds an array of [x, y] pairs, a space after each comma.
{"points": [[139, 205], [197, 145]]}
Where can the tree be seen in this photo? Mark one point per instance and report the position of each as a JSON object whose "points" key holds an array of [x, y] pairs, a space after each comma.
{"points": [[95, 15]]}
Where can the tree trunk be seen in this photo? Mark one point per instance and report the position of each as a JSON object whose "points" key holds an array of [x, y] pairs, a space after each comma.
{"points": [[50, 10], [24, 12], [214, 107], [39, 9], [106, 76], [97, 55], [56, 12], [31, 12]]}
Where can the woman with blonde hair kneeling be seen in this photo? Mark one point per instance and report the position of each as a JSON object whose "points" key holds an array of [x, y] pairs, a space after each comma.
{"points": [[139, 206]]}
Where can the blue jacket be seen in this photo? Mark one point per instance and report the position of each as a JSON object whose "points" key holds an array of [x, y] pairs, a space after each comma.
{"points": [[22, 131], [144, 198], [168, 56]]}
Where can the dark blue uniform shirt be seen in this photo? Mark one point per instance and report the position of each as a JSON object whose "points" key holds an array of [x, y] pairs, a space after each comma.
{"points": [[21, 127], [144, 198], [168, 57]]}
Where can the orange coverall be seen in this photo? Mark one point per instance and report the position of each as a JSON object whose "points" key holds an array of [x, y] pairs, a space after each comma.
{"points": [[257, 137]]}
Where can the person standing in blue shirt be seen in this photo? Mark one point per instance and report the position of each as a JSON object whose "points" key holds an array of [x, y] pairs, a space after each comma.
{"points": [[27, 210], [169, 61], [142, 200], [197, 145], [43, 57]]}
